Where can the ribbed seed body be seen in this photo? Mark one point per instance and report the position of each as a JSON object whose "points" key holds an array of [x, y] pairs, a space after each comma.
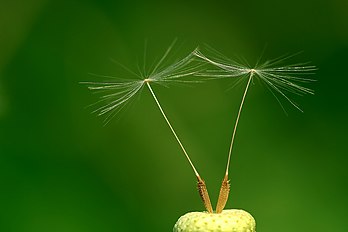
{"points": [[232, 220]]}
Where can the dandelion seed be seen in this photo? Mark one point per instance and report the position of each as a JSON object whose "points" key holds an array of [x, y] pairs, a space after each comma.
{"points": [[117, 94], [280, 80]]}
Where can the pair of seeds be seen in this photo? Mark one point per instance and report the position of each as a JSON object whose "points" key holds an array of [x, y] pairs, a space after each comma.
{"points": [[197, 67]]}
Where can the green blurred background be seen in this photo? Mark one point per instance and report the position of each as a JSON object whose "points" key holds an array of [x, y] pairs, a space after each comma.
{"points": [[62, 170]]}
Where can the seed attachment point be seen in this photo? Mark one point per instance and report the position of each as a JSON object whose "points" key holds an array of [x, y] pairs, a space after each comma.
{"points": [[147, 80]]}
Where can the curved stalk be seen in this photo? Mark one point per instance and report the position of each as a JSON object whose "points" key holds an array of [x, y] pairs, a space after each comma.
{"points": [[225, 186]]}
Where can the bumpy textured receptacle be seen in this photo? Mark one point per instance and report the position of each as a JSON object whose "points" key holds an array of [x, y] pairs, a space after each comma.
{"points": [[231, 220]]}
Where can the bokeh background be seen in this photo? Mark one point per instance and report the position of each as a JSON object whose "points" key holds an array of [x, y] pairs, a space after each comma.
{"points": [[62, 170]]}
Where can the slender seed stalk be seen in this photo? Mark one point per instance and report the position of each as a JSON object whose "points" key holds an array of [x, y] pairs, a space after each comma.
{"points": [[202, 188], [237, 120], [225, 186]]}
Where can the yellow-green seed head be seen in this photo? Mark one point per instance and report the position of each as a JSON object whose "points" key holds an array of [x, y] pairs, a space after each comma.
{"points": [[231, 220]]}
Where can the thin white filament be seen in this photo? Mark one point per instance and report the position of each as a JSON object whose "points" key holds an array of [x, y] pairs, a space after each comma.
{"points": [[171, 128], [237, 120]]}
